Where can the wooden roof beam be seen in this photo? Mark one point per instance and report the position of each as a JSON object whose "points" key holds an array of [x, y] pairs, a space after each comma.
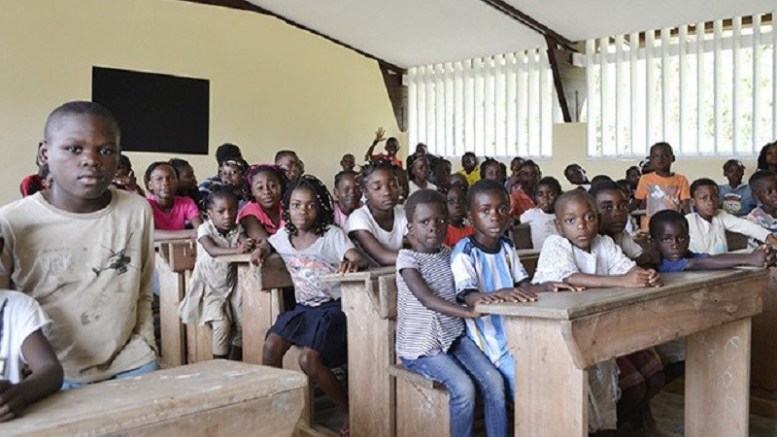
{"points": [[530, 22]]}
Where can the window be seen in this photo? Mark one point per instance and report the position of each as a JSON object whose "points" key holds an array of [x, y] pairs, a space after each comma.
{"points": [[502, 106], [707, 89]]}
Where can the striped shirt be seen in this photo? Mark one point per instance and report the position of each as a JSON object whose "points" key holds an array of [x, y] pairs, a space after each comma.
{"points": [[420, 330], [475, 267]]}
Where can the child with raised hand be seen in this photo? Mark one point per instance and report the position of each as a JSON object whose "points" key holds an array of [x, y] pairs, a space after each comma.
{"points": [[458, 227], [348, 195], [124, 179], [84, 251], [262, 216], [521, 199], [23, 326], [486, 269], [419, 174], [662, 189], [171, 212], [430, 330], [670, 235], [187, 181], [310, 247], [708, 225], [582, 258], [392, 147], [541, 219], [613, 209], [469, 168], [212, 296], [380, 225]]}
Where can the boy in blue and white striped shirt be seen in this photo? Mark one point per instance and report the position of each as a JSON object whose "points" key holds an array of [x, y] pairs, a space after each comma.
{"points": [[486, 269]]}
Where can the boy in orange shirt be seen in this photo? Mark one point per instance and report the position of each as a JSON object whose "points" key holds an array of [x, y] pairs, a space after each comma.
{"points": [[662, 189]]}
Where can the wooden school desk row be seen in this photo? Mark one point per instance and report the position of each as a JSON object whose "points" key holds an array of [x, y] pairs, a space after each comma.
{"points": [[577, 328]]}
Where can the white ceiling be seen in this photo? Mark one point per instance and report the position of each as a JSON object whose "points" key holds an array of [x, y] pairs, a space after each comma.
{"points": [[419, 32]]}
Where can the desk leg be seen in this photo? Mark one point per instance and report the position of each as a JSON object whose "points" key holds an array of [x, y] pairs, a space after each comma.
{"points": [[717, 381], [550, 392], [173, 337], [257, 313], [371, 391]]}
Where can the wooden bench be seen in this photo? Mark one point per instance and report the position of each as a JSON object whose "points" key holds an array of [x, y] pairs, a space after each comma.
{"points": [[422, 405], [174, 261], [213, 398]]}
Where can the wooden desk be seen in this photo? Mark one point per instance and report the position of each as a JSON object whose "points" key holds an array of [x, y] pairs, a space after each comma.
{"points": [[555, 339], [261, 291], [369, 300], [175, 259], [213, 398]]}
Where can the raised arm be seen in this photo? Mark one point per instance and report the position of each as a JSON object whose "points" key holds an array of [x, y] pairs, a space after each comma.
{"points": [[379, 136]]}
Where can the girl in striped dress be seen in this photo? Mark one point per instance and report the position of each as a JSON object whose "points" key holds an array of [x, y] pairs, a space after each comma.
{"points": [[430, 330]]}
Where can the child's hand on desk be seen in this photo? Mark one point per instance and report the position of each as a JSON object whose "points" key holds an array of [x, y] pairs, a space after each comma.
{"points": [[771, 240], [347, 266], [246, 244], [639, 277], [654, 278], [516, 294], [260, 254], [762, 256], [560, 286], [12, 400]]}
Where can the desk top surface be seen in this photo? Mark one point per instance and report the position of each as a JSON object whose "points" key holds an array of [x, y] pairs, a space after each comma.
{"points": [[569, 305]]}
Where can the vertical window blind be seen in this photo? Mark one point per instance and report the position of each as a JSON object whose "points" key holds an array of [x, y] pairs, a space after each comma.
{"points": [[707, 89], [501, 106]]}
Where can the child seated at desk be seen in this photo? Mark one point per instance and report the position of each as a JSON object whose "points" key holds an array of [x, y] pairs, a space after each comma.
{"points": [[311, 246], [348, 194], [582, 258], [171, 212], [212, 296], [540, 219], [262, 216], [458, 228], [764, 186], [430, 330], [380, 225], [613, 209], [708, 225], [23, 343], [486, 268]]}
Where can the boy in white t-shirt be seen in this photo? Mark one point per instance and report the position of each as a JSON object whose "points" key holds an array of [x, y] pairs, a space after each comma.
{"points": [[541, 219]]}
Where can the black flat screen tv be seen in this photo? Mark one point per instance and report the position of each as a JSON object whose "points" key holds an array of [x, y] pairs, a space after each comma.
{"points": [[156, 112]]}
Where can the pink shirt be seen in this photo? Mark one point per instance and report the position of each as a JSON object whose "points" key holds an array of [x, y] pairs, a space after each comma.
{"points": [[183, 209], [340, 217], [253, 209]]}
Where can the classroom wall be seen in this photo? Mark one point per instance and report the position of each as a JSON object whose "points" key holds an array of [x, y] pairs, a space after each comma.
{"points": [[570, 144], [272, 86]]}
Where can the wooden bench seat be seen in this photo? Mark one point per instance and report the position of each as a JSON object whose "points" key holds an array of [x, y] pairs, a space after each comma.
{"points": [[422, 405], [213, 398]]}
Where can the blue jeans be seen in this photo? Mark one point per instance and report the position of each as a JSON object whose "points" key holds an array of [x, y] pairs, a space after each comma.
{"points": [[456, 370], [506, 366], [142, 370]]}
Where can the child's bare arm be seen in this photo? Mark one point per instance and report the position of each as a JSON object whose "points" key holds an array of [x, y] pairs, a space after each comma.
{"points": [[214, 249], [254, 229], [760, 257], [374, 249], [196, 221], [355, 258], [635, 278], [46, 377], [160, 234], [420, 289]]}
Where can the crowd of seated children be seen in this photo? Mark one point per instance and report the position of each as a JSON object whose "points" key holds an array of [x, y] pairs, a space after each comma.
{"points": [[430, 336], [541, 218], [708, 225], [348, 195], [521, 199], [124, 178], [735, 197], [580, 257], [486, 268], [262, 216], [171, 212], [311, 246], [83, 251], [661, 188], [212, 296]]}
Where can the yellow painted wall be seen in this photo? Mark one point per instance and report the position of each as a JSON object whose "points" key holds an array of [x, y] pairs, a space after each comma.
{"points": [[272, 86]]}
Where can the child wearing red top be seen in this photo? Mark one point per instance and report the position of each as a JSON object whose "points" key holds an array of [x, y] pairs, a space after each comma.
{"points": [[457, 228]]}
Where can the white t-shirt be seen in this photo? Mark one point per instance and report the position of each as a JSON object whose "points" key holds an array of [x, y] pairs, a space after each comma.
{"points": [[541, 225], [361, 220], [414, 187], [710, 237], [22, 316], [630, 248]]}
